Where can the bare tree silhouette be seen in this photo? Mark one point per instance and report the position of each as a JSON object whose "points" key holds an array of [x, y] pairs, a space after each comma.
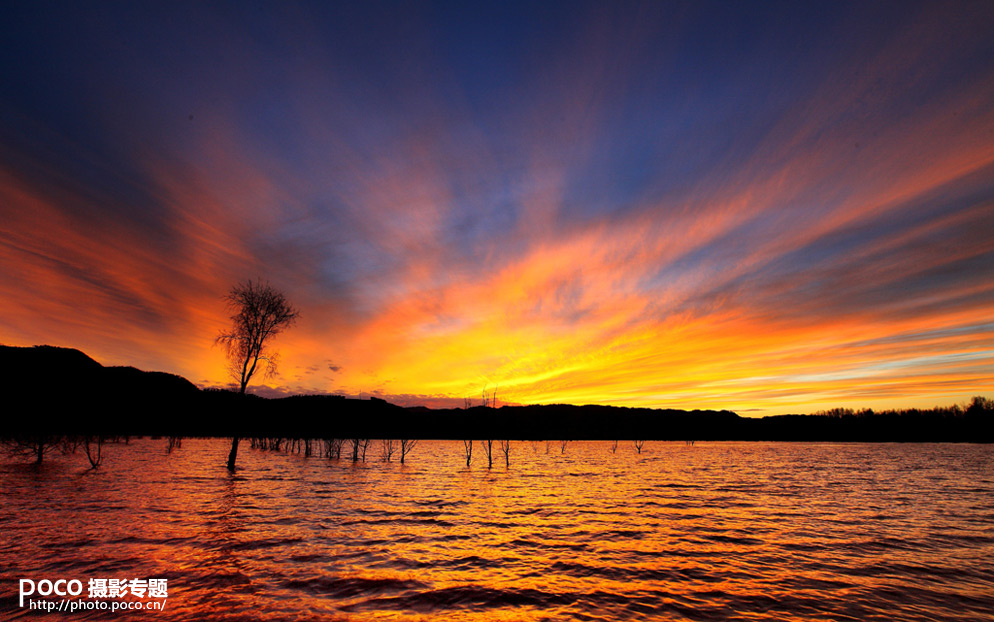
{"points": [[359, 446], [639, 444], [333, 448], [35, 445], [468, 446], [69, 443], [490, 399], [505, 446], [259, 313], [93, 446], [387, 447], [406, 445], [488, 448]]}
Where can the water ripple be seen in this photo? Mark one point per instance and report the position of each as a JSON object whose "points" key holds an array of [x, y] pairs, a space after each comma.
{"points": [[730, 531]]}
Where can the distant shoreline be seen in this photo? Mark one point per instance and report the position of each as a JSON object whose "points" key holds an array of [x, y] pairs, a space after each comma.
{"points": [[130, 402]]}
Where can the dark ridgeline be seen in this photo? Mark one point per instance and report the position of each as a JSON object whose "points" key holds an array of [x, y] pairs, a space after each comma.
{"points": [[63, 386]]}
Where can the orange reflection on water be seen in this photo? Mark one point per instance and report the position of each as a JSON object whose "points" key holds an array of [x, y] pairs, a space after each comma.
{"points": [[764, 531]]}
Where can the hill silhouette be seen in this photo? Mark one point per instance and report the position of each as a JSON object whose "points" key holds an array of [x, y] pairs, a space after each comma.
{"points": [[64, 391]]}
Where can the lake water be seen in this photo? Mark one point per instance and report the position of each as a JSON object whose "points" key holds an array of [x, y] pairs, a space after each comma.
{"points": [[715, 531]]}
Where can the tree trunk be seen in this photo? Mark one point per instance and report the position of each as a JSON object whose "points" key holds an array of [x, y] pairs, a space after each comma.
{"points": [[233, 454]]}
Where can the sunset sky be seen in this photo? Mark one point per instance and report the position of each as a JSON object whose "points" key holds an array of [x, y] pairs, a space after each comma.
{"points": [[766, 207]]}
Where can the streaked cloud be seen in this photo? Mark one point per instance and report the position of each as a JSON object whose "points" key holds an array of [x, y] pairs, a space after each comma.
{"points": [[768, 209]]}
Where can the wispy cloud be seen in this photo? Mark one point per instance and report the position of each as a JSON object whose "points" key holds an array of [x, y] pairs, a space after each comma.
{"points": [[652, 207]]}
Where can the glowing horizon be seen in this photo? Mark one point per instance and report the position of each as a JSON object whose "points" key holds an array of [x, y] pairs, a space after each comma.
{"points": [[571, 203]]}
